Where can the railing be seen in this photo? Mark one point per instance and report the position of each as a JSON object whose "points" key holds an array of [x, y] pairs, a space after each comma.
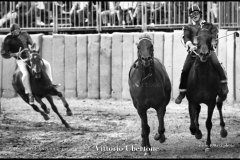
{"points": [[112, 16]]}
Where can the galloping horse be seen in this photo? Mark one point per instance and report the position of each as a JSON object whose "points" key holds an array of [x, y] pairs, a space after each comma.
{"points": [[149, 86], [40, 83], [203, 86]]}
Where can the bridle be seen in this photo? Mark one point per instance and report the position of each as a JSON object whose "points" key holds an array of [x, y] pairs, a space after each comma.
{"points": [[30, 56], [150, 59]]}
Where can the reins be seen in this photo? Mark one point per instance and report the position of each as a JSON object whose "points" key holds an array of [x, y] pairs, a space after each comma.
{"points": [[19, 56]]}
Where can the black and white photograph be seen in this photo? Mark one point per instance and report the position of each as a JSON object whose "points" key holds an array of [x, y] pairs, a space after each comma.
{"points": [[119, 79]]}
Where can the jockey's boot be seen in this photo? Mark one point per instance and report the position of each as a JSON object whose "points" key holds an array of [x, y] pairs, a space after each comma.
{"points": [[31, 99], [56, 85], [224, 87], [180, 97]]}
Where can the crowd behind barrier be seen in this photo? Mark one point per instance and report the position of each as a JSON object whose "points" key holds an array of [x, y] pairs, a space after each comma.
{"points": [[108, 15]]}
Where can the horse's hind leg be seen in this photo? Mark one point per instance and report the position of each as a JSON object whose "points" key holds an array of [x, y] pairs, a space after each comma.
{"points": [[209, 123], [222, 124], [145, 131], [161, 129], [60, 95], [50, 100], [44, 107]]}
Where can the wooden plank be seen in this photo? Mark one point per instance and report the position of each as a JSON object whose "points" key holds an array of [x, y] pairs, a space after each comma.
{"points": [[179, 56], [230, 62], [168, 55], [237, 69], [47, 49], [127, 62], [105, 66], [82, 53], [70, 65], [117, 65], [58, 61], [159, 46], [93, 66], [222, 47], [7, 69]]}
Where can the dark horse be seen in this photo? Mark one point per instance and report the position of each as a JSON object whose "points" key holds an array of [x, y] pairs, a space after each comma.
{"points": [[149, 86], [41, 85], [203, 86]]}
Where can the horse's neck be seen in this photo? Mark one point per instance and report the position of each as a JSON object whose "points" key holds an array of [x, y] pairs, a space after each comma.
{"points": [[203, 70]]}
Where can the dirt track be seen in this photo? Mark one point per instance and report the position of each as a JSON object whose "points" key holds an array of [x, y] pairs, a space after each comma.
{"points": [[102, 125]]}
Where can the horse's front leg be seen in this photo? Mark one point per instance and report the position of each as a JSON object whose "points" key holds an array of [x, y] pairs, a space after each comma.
{"points": [[65, 103], [50, 100], [145, 131], [161, 129], [196, 110], [192, 117], [44, 107], [45, 116], [222, 124], [211, 107]]}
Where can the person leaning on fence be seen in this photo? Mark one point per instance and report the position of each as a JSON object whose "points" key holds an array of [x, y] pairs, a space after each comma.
{"points": [[26, 41], [189, 37]]}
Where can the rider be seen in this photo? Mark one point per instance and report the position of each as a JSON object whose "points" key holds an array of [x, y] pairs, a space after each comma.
{"points": [[190, 41], [27, 43]]}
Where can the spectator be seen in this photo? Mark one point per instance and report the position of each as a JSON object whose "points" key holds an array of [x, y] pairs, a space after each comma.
{"points": [[127, 9], [6, 14], [140, 10], [79, 12], [104, 9], [214, 11], [111, 16]]}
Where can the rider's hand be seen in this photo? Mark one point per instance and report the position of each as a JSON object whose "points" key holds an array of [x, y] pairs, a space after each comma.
{"points": [[214, 45], [192, 47]]}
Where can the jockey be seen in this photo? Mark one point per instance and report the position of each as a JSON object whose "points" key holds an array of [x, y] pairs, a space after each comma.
{"points": [[190, 40], [26, 41]]}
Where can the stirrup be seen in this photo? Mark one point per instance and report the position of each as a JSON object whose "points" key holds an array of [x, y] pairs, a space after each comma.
{"points": [[56, 85], [31, 99], [223, 81]]}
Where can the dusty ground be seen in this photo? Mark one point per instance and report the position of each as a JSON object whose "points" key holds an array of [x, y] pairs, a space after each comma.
{"points": [[101, 126]]}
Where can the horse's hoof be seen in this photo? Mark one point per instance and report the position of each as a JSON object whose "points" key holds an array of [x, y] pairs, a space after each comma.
{"points": [[198, 134], [208, 149], [67, 126], [147, 153], [69, 113], [157, 136], [47, 111], [192, 130], [46, 117], [224, 133], [162, 138]]}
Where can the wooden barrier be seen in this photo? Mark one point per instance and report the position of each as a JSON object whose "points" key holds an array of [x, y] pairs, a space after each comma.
{"points": [[70, 65], [237, 70], [82, 64], [179, 56], [105, 66], [97, 66], [58, 61], [117, 65], [230, 63], [93, 66]]}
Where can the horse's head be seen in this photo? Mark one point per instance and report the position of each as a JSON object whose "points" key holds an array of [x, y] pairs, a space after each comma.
{"points": [[204, 39], [145, 50], [36, 64]]}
